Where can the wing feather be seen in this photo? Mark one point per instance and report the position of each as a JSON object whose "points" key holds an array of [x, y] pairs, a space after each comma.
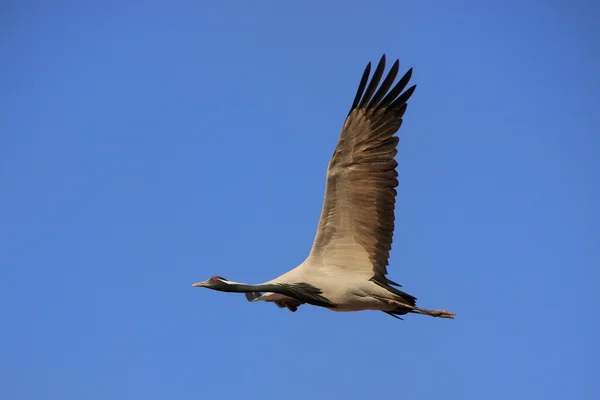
{"points": [[356, 228]]}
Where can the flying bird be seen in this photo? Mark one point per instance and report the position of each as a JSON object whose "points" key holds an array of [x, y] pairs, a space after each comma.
{"points": [[347, 266]]}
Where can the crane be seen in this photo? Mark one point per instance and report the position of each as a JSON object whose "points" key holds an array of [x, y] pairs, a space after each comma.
{"points": [[347, 266]]}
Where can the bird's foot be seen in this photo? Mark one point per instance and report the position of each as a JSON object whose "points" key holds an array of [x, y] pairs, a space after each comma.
{"points": [[435, 313], [442, 314]]}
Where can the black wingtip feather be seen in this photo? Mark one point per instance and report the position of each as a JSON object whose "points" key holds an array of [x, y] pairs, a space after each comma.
{"points": [[361, 86], [398, 88], [374, 82], [385, 85], [404, 97], [370, 97]]}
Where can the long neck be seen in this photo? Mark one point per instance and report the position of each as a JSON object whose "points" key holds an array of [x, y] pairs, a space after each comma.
{"points": [[300, 291], [245, 288]]}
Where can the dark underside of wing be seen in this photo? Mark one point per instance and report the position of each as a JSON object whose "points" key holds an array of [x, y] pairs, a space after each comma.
{"points": [[296, 293]]}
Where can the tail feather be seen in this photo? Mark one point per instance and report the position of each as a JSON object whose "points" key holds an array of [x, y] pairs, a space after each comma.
{"points": [[405, 298], [391, 313]]}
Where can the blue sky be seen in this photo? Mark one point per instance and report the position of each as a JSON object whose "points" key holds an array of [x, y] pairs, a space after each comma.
{"points": [[145, 147]]}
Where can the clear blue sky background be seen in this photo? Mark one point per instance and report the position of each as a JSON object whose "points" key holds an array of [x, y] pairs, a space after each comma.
{"points": [[148, 146]]}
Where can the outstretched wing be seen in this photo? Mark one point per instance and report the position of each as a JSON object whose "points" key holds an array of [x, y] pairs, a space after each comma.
{"points": [[357, 221]]}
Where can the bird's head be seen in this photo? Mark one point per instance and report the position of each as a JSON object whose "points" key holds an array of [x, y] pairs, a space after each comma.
{"points": [[214, 282]]}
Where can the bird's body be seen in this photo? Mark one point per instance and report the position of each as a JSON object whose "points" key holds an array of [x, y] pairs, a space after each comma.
{"points": [[356, 294], [347, 266]]}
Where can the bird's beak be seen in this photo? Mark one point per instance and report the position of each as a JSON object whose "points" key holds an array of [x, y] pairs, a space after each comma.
{"points": [[199, 284]]}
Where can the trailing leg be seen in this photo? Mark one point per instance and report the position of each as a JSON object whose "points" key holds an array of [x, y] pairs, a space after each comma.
{"points": [[433, 313]]}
